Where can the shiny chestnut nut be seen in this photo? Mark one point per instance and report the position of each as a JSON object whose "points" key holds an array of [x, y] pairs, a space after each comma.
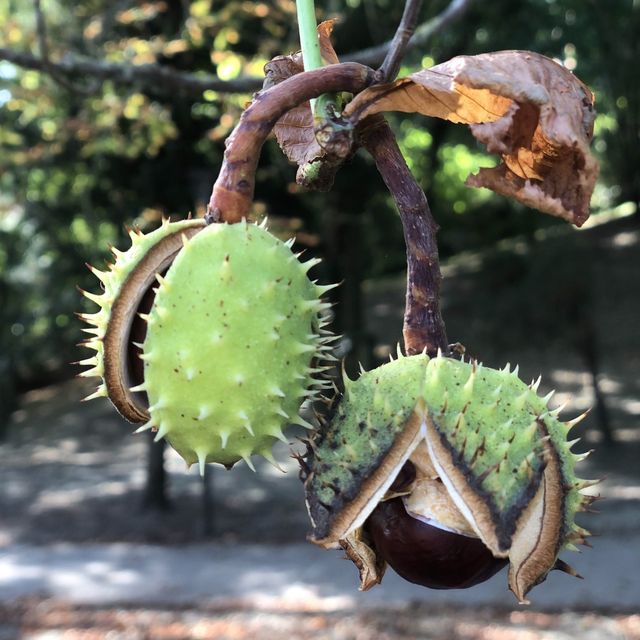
{"points": [[426, 555], [405, 477]]}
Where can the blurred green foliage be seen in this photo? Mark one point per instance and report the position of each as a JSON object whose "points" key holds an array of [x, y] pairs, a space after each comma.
{"points": [[78, 165]]}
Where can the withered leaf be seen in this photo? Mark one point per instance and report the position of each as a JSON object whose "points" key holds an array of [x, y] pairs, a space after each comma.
{"points": [[359, 549], [294, 131], [524, 106]]}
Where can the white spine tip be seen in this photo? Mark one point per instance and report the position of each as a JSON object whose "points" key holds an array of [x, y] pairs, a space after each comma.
{"points": [[202, 461], [89, 373], [306, 266], [249, 429], [100, 392], [300, 421], [548, 397], [161, 433], [247, 459], [325, 288], [535, 384], [204, 412], [92, 331], [162, 280], [145, 427], [268, 456], [156, 406], [99, 299], [277, 433], [572, 423], [556, 412]]}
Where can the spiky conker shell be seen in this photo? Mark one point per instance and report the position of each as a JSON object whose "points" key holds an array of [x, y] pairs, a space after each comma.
{"points": [[124, 285], [229, 343], [369, 418], [502, 455], [497, 426]]}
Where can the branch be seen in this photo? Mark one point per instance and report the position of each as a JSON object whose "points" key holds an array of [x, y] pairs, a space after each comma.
{"points": [[398, 47], [161, 79], [423, 324], [41, 30], [47, 65], [232, 194], [374, 56], [170, 81]]}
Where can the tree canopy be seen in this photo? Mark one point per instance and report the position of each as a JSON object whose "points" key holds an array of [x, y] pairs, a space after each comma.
{"points": [[115, 113]]}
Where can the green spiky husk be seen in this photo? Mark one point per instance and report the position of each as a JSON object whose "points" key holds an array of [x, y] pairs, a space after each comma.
{"points": [[368, 418], [492, 420], [112, 281], [229, 344]]}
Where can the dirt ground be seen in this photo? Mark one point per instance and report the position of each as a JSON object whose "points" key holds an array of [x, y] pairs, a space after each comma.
{"points": [[47, 620]]}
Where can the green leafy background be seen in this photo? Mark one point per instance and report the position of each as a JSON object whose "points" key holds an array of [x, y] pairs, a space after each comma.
{"points": [[78, 164]]}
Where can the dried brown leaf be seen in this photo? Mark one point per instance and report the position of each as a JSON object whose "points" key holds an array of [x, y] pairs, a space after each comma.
{"points": [[294, 131], [325, 29], [529, 109], [359, 549]]}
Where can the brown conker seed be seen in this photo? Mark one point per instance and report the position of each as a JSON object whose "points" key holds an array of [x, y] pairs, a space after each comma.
{"points": [[426, 555], [137, 334], [405, 478]]}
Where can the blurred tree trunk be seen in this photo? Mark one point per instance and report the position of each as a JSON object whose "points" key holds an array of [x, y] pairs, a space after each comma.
{"points": [[587, 346], [581, 298], [8, 395], [344, 252], [155, 491], [208, 509], [8, 400]]}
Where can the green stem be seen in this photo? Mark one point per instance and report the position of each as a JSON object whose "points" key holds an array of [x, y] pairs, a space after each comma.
{"points": [[311, 57], [308, 30]]}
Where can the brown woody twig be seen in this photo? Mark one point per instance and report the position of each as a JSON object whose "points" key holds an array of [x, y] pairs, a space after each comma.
{"points": [[232, 194], [398, 47], [374, 56], [423, 324], [335, 134]]}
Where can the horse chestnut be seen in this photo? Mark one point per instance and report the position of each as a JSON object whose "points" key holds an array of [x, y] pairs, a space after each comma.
{"points": [[426, 555]]}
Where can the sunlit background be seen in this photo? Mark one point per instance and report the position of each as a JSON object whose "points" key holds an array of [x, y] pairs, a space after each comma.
{"points": [[88, 148]]}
